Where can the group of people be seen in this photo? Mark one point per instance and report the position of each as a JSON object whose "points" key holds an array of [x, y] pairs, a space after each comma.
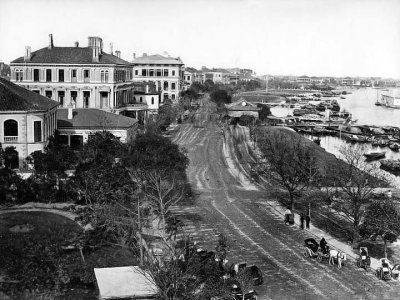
{"points": [[304, 219]]}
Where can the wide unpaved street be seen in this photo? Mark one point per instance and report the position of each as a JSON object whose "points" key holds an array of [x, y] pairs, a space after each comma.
{"points": [[227, 202]]}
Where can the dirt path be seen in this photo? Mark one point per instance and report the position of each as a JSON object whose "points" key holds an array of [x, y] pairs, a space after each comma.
{"points": [[229, 203]]}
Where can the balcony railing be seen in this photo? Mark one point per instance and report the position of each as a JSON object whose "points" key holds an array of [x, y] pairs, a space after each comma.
{"points": [[10, 139]]}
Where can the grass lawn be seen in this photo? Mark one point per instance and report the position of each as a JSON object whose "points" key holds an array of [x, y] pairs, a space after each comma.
{"points": [[35, 260]]}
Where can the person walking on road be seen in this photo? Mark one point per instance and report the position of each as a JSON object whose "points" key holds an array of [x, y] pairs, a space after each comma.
{"points": [[308, 220], [302, 219], [288, 212]]}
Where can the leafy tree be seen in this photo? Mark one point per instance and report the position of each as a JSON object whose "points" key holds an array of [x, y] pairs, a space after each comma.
{"points": [[287, 161], [209, 85], [54, 160], [220, 97], [264, 112], [355, 181], [151, 151], [381, 219]]}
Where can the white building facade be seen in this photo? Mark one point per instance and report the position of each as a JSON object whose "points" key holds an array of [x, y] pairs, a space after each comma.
{"points": [[166, 72]]}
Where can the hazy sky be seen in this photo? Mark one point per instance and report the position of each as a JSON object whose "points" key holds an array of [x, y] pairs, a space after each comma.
{"points": [[312, 37]]}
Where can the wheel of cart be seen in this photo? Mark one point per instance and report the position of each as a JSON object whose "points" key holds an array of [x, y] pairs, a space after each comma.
{"points": [[311, 248], [384, 272], [396, 272]]}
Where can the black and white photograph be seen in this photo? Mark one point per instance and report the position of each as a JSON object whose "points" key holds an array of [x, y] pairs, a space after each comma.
{"points": [[199, 149]]}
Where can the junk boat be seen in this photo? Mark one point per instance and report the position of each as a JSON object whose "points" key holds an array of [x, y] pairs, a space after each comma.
{"points": [[374, 155]]}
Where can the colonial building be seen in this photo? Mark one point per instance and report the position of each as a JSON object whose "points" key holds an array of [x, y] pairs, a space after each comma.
{"points": [[242, 108], [166, 72], [75, 126], [347, 81], [27, 120], [85, 77]]}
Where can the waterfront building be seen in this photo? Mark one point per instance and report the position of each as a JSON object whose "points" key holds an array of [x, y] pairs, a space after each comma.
{"points": [[347, 81], [303, 79], [166, 72], [27, 120], [75, 126], [242, 108], [85, 77]]}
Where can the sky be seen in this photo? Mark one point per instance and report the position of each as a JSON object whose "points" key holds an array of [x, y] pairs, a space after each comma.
{"points": [[278, 37]]}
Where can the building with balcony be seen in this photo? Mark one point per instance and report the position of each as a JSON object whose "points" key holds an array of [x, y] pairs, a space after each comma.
{"points": [[347, 81], [166, 72], [84, 77], [303, 80], [27, 120]]}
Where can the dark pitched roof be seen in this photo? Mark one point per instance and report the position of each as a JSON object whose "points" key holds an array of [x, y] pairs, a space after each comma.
{"points": [[70, 55], [91, 118], [157, 59], [16, 98]]}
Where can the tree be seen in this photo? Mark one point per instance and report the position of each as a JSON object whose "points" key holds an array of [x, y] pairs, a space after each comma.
{"points": [[151, 151], [355, 181], [220, 97], [381, 219], [288, 161], [264, 112]]}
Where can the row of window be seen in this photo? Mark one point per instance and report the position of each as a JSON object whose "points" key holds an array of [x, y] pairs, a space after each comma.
{"points": [[11, 131], [155, 72], [19, 75]]}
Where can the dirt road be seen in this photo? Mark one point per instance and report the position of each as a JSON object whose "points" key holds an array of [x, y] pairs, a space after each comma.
{"points": [[228, 202]]}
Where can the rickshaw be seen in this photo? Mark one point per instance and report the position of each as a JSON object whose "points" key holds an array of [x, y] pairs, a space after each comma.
{"points": [[364, 260]]}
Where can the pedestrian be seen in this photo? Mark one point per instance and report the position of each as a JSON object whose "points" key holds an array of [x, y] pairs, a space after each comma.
{"points": [[288, 212], [302, 219], [389, 194], [308, 219]]}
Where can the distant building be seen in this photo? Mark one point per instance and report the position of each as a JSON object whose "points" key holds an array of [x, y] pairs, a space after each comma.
{"points": [[27, 120], [242, 108], [303, 79], [166, 72], [347, 81]]}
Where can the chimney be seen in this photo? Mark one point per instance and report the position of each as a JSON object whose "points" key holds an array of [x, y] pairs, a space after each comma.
{"points": [[118, 53], [76, 44], [111, 48], [27, 56], [144, 54], [96, 54], [147, 88], [134, 55], [70, 113], [51, 45]]}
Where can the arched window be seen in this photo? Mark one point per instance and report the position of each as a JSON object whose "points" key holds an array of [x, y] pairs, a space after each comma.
{"points": [[141, 99], [10, 128], [152, 100], [19, 74]]}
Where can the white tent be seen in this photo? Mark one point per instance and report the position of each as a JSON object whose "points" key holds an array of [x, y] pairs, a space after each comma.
{"points": [[125, 282]]}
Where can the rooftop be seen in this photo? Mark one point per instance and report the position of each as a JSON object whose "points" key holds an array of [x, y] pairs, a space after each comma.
{"points": [[242, 105], [16, 98], [91, 118], [157, 59], [124, 282], [69, 55]]}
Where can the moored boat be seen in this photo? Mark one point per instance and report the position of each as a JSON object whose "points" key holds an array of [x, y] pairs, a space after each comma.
{"points": [[375, 155]]}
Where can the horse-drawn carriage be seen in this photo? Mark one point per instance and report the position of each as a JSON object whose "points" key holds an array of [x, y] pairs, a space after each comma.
{"points": [[384, 272], [364, 260], [314, 250]]}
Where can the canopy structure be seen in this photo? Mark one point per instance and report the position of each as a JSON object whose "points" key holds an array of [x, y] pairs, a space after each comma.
{"points": [[129, 282]]}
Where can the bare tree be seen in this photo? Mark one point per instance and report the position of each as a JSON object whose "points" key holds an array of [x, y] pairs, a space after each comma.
{"points": [[354, 181], [288, 161]]}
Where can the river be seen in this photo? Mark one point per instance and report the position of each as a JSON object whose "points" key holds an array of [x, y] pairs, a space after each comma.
{"points": [[361, 104]]}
